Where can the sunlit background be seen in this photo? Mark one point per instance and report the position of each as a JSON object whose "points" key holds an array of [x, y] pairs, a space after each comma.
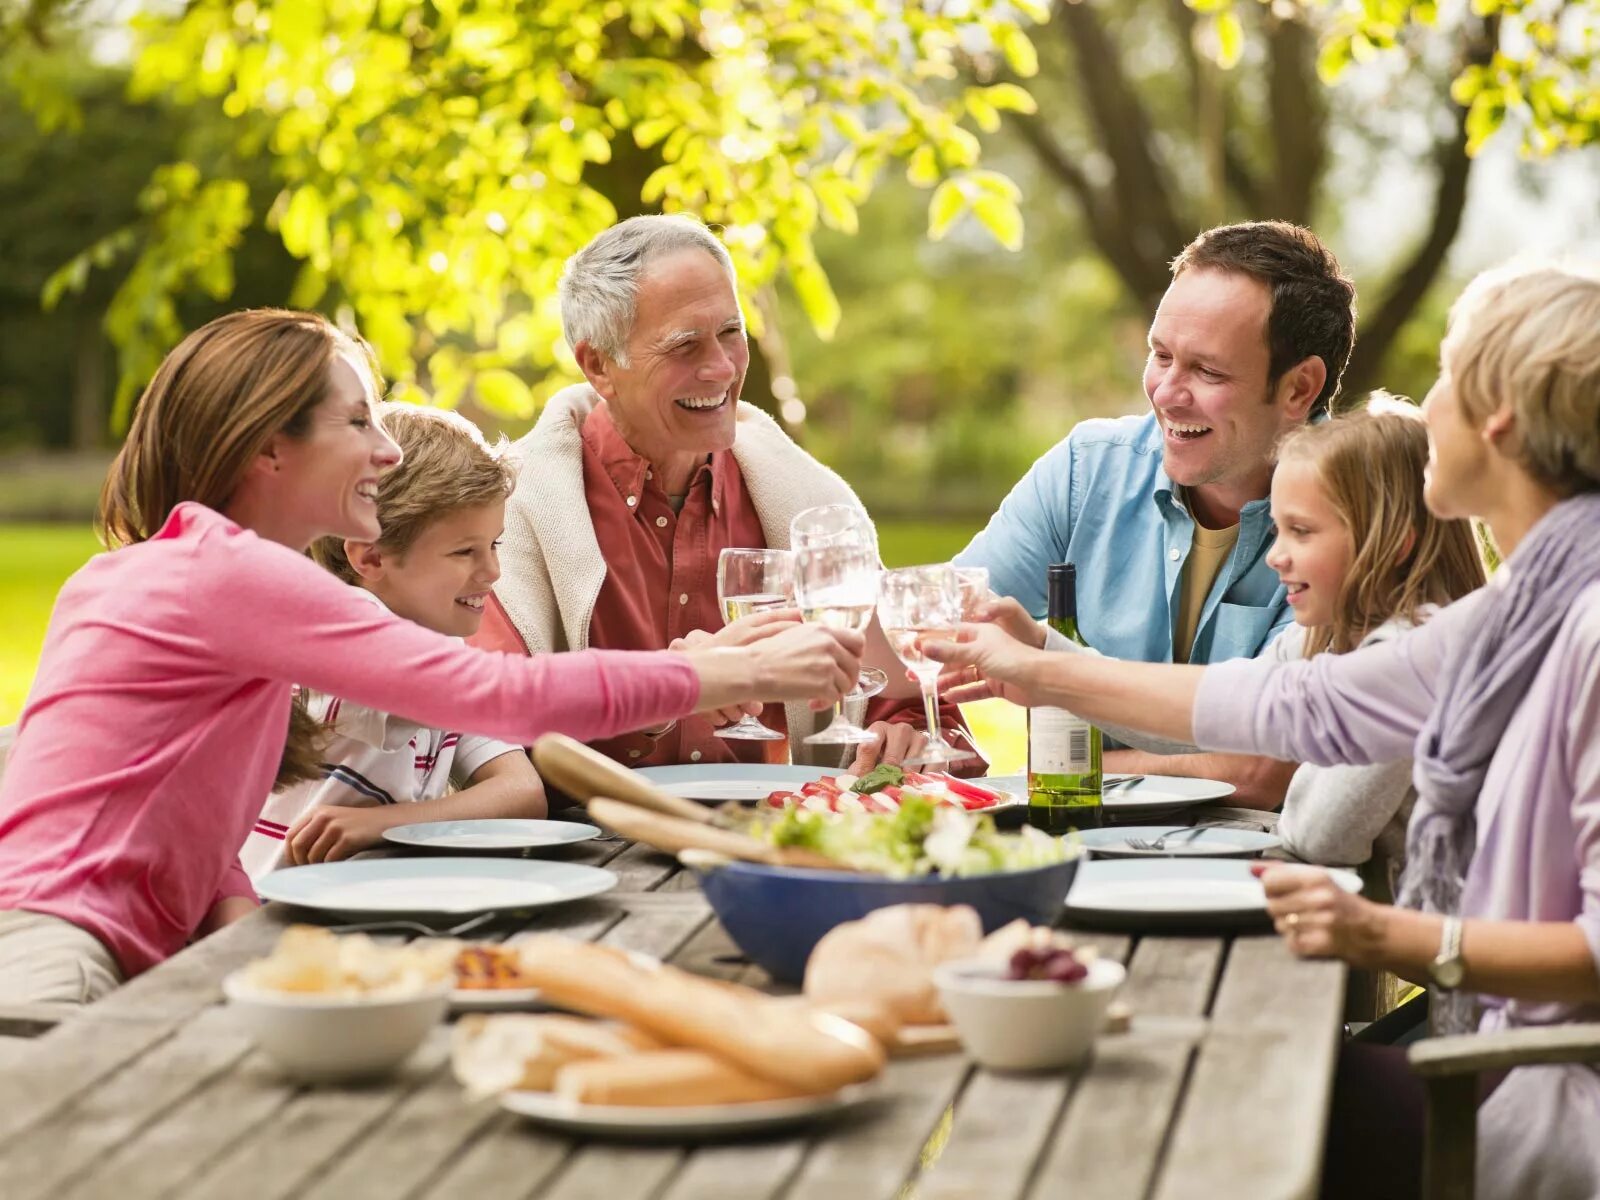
{"points": [[951, 220]]}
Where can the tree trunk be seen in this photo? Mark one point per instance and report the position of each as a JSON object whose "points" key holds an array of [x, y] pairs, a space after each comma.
{"points": [[89, 384]]}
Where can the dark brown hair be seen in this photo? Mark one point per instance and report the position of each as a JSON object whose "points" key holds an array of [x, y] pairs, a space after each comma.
{"points": [[447, 466], [1313, 301], [1370, 462], [215, 402]]}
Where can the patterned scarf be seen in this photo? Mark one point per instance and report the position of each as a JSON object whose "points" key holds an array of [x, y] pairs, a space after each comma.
{"points": [[1478, 694]]}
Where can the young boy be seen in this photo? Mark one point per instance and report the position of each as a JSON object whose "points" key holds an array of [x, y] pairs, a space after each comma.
{"points": [[441, 511]]}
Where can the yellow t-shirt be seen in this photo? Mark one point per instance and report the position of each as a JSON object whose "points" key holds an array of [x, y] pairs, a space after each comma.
{"points": [[1210, 550]]}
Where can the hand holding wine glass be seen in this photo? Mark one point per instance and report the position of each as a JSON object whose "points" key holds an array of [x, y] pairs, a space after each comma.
{"points": [[836, 585], [916, 605], [750, 582]]}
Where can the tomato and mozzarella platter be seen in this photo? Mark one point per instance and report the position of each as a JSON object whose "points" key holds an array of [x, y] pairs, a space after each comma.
{"points": [[833, 793]]}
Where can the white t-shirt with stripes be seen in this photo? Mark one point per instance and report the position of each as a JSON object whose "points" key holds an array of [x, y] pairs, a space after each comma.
{"points": [[372, 758]]}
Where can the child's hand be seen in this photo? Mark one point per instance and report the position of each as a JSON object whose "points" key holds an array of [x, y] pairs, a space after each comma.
{"points": [[333, 833]]}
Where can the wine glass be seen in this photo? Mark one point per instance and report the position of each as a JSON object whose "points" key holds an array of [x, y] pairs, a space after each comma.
{"points": [[973, 584], [836, 572], [918, 604], [752, 581]]}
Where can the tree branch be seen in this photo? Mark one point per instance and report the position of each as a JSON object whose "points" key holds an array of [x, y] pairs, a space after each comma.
{"points": [[1411, 283], [1139, 188], [1145, 282], [1297, 116]]}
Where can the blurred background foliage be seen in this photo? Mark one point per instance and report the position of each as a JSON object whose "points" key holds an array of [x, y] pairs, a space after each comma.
{"points": [[952, 217]]}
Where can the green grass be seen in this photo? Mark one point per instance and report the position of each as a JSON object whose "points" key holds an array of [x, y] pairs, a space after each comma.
{"points": [[35, 561]]}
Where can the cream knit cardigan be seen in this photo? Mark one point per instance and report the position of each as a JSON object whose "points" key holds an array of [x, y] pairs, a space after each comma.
{"points": [[551, 565]]}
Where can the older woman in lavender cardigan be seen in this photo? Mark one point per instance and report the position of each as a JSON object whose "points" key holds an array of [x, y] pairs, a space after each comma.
{"points": [[1498, 701]]}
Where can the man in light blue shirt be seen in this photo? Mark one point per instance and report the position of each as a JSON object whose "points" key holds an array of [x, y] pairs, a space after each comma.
{"points": [[1166, 515]]}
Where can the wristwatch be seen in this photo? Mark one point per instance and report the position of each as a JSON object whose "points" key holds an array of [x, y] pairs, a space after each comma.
{"points": [[1448, 968]]}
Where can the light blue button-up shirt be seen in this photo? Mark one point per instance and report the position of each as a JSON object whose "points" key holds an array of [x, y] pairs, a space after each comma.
{"points": [[1101, 499]]}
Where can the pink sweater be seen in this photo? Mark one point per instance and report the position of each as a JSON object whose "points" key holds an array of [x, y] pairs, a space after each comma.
{"points": [[157, 719]]}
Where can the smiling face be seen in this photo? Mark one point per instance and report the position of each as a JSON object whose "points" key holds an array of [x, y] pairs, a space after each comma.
{"points": [[1207, 379], [441, 580], [325, 483], [677, 396], [1314, 548]]}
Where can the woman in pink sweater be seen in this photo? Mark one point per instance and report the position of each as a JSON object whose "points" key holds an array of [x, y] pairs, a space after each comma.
{"points": [[157, 719]]}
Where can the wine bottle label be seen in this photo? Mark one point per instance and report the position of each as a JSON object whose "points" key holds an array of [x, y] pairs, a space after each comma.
{"points": [[1058, 742]]}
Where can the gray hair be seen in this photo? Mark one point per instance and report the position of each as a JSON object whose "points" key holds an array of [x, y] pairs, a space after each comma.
{"points": [[600, 284]]}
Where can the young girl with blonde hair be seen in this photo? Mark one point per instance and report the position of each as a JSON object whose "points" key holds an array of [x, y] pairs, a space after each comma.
{"points": [[1363, 561], [157, 718]]}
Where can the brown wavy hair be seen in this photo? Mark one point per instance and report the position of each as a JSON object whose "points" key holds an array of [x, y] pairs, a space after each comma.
{"points": [[447, 466], [215, 402], [1371, 462]]}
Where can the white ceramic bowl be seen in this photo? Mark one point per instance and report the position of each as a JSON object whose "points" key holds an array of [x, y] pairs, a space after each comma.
{"points": [[1026, 1024], [320, 1039]]}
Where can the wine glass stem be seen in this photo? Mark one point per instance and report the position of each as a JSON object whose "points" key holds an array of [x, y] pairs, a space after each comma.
{"points": [[930, 707]]}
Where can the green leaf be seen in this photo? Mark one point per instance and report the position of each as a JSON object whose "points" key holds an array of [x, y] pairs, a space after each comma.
{"points": [[923, 169], [816, 298], [948, 203], [1230, 40], [304, 225], [1019, 52], [1001, 217], [1008, 97], [503, 393]]}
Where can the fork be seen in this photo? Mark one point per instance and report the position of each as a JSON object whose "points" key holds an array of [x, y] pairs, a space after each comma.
{"points": [[1183, 834], [1120, 781], [416, 927]]}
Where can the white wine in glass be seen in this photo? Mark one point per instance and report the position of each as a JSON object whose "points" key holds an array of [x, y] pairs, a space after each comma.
{"points": [[836, 585], [748, 582], [917, 605]]}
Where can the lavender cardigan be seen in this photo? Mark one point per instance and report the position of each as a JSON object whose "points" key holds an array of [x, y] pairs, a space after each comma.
{"points": [[1538, 851]]}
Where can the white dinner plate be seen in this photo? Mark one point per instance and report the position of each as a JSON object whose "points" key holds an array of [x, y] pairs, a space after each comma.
{"points": [[1152, 796], [717, 783], [490, 834], [1221, 842], [427, 886], [699, 1123], [468, 1000], [1168, 893]]}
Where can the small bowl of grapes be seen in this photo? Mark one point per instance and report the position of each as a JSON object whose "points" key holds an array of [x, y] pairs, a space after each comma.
{"points": [[1039, 1010]]}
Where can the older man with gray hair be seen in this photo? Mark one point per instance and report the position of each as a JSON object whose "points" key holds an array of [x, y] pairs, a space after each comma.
{"points": [[633, 483]]}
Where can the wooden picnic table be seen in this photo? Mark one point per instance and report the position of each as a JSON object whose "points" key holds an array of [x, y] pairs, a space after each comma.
{"points": [[1220, 1088]]}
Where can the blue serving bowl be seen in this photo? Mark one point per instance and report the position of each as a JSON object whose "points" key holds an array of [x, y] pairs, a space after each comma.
{"points": [[777, 915]]}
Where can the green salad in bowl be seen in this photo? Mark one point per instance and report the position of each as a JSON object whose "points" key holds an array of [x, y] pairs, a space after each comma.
{"points": [[921, 838]]}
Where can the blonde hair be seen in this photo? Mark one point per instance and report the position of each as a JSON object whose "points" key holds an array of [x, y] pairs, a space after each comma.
{"points": [[1527, 336], [215, 402], [447, 466], [1370, 462]]}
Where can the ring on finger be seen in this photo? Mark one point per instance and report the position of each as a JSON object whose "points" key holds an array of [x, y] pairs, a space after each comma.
{"points": [[1292, 921]]}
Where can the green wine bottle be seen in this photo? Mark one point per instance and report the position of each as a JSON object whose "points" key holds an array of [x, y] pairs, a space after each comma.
{"points": [[1063, 750]]}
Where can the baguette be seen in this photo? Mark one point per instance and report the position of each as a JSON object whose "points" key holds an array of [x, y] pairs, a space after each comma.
{"points": [[809, 1051], [490, 1055], [663, 1078]]}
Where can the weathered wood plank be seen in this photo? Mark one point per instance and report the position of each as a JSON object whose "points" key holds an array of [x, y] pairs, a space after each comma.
{"points": [[1110, 1139], [604, 1171], [68, 1144], [1270, 1051], [46, 1073], [413, 1143], [738, 1172], [226, 1110], [512, 1160], [307, 1137], [870, 1156], [642, 868]]}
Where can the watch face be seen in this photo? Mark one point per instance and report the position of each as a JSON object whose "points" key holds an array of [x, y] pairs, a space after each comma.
{"points": [[1448, 974]]}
